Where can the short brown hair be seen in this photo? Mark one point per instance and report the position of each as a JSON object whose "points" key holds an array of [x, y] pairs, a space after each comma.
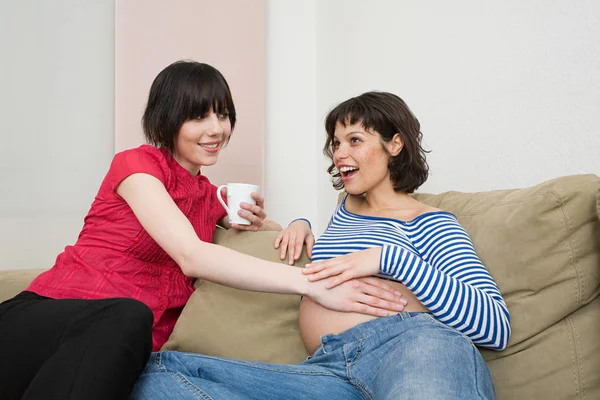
{"points": [[388, 115]]}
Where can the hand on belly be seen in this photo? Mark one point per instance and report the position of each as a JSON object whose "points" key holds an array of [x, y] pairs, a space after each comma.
{"points": [[315, 320]]}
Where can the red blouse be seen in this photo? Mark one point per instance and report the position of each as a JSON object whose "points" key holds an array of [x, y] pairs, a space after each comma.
{"points": [[115, 257]]}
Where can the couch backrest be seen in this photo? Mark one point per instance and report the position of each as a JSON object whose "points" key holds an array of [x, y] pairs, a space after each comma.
{"points": [[542, 246]]}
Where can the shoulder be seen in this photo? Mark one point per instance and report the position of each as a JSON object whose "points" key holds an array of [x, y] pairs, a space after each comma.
{"points": [[143, 159], [439, 226], [142, 154], [428, 209]]}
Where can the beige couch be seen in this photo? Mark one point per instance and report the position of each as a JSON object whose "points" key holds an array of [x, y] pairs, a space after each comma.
{"points": [[541, 244]]}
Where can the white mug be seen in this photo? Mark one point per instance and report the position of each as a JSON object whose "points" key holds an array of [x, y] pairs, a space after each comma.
{"points": [[237, 193]]}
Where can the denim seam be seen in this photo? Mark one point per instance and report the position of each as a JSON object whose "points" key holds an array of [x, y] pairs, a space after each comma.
{"points": [[199, 393], [476, 379], [262, 366], [158, 363], [362, 388], [437, 321]]}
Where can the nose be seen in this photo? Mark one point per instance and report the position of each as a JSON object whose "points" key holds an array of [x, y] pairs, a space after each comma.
{"points": [[340, 153], [216, 128]]}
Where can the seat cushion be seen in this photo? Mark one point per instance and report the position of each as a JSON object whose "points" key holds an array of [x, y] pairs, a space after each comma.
{"points": [[226, 322]]}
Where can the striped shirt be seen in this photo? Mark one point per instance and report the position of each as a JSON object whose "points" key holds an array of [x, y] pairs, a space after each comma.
{"points": [[433, 256]]}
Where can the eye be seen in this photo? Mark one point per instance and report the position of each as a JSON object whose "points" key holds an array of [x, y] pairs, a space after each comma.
{"points": [[224, 115], [355, 140], [335, 144]]}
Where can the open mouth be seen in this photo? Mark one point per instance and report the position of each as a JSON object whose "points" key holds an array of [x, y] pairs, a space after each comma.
{"points": [[348, 172], [211, 147]]}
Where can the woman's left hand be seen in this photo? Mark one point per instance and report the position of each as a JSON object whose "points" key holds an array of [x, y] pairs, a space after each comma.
{"points": [[254, 213], [349, 266]]}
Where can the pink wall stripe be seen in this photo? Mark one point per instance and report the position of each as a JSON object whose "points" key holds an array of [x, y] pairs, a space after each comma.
{"points": [[228, 34]]}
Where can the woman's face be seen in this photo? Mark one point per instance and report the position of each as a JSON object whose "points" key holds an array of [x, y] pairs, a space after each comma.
{"points": [[362, 158], [200, 140]]}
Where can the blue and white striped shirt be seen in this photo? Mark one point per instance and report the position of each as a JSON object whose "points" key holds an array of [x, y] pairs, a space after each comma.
{"points": [[434, 257]]}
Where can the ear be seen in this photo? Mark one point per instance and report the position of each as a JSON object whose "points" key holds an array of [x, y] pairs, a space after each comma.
{"points": [[395, 145]]}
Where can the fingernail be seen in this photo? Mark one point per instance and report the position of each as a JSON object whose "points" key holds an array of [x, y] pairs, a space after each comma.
{"points": [[404, 301], [397, 293]]}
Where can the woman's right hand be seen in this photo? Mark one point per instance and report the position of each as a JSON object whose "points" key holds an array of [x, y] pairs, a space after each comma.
{"points": [[368, 295], [291, 239]]}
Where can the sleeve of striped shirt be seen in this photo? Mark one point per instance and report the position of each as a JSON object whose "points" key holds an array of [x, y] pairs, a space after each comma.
{"points": [[454, 284]]}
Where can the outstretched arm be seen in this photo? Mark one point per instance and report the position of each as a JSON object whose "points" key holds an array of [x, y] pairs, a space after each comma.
{"points": [[168, 226]]}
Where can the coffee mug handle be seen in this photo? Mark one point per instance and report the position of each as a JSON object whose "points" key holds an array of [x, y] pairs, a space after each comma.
{"points": [[221, 198]]}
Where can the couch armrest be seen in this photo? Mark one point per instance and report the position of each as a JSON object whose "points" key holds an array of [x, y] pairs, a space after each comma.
{"points": [[15, 281]]}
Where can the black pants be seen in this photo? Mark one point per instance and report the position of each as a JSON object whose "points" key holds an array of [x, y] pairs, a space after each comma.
{"points": [[72, 349]]}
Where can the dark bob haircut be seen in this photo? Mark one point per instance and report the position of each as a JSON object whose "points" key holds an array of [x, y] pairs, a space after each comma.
{"points": [[386, 114], [182, 91]]}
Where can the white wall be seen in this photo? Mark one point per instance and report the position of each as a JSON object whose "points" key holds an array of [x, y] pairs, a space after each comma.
{"points": [[291, 162], [507, 92], [57, 113]]}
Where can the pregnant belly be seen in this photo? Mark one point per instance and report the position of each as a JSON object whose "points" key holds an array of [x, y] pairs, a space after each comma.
{"points": [[315, 320]]}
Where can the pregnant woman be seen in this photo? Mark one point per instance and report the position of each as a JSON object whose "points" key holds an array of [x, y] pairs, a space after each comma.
{"points": [[425, 352]]}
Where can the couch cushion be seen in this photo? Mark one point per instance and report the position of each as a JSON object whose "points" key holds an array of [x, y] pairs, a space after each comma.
{"points": [[560, 362], [542, 246], [226, 322], [15, 281], [536, 244]]}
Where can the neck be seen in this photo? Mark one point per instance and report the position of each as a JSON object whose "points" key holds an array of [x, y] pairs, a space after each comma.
{"points": [[192, 169], [385, 198]]}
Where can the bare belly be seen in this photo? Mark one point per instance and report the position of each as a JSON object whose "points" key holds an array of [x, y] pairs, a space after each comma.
{"points": [[315, 320]]}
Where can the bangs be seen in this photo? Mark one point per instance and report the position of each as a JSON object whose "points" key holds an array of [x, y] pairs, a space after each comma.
{"points": [[205, 91], [185, 90], [355, 111], [387, 115]]}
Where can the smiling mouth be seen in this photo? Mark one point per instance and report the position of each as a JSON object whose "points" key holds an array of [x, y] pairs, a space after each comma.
{"points": [[348, 172], [212, 147]]}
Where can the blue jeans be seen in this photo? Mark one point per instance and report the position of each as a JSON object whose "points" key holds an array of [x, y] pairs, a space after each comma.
{"points": [[405, 356]]}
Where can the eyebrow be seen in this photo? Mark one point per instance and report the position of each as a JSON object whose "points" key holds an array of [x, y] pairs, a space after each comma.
{"points": [[350, 133]]}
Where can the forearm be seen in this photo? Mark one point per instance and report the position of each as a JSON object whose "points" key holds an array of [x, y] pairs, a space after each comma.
{"points": [[230, 268], [476, 310]]}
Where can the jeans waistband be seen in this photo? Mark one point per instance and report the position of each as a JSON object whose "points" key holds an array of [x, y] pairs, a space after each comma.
{"points": [[360, 331]]}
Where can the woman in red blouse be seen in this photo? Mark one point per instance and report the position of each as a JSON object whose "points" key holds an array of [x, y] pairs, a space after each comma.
{"points": [[84, 329]]}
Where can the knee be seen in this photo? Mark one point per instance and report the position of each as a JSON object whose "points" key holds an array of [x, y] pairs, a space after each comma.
{"points": [[431, 367], [133, 319], [132, 309]]}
